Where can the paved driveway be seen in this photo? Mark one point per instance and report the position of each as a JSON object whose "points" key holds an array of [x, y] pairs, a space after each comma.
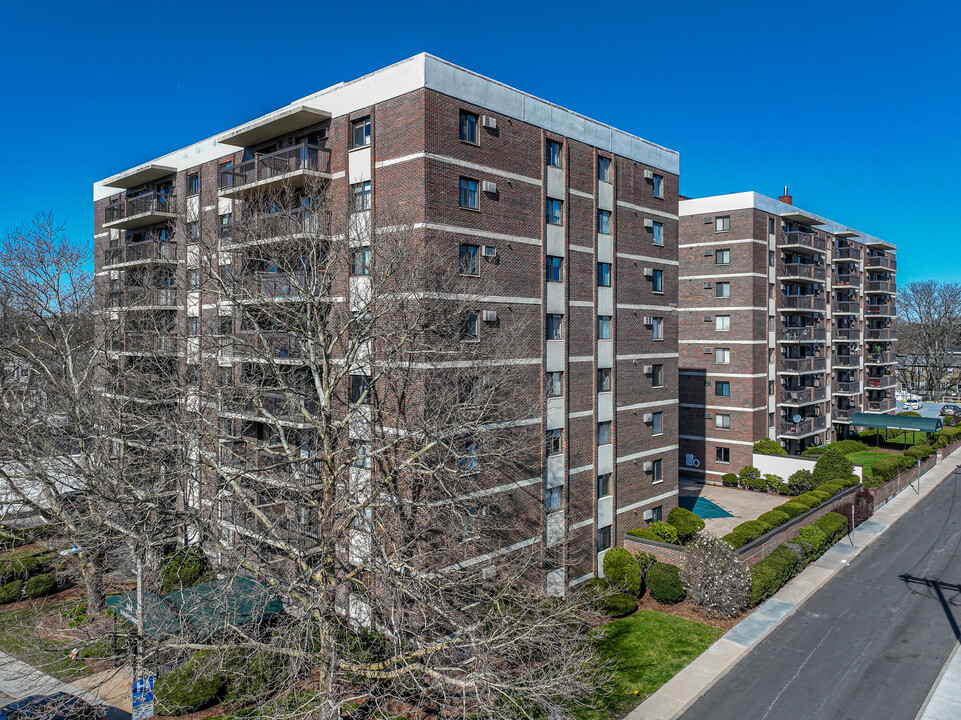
{"points": [[742, 504]]}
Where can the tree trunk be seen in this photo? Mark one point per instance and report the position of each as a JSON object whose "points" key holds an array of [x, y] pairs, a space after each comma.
{"points": [[93, 579]]}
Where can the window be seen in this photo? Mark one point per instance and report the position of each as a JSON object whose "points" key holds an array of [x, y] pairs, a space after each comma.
{"points": [[555, 442], [603, 380], [657, 230], [770, 258], [722, 421], [770, 387], [657, 513], [555, 272], [770, 323], [360, 133], [359, 390], [604, 222], [193, 279], [553, 327], [360, 261], [722, 257], [360, 453], [657, 472], [193, 375], [603, 169], [722, 289], [552, 499], [657, 423], [657, 375], [770, 419], [554, 212], [657, 281], [657, 328], [603, 327], [468, 260], [657, 182], [603, 274], [468, 127], [468, 329], [604, 432], [722, 224], [193, 184], [555, 384], [603, 485], [468, 193], [722, 388], [360, 196], [722, 323], [225, 221], [722, 454], [553, 153], [468, 456], [603, 539], [770, 226], [193, 232], [722, 355], [193, 325]]}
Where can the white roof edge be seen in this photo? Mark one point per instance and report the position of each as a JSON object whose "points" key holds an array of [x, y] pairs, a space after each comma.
{"points": [[425, 70], [745, 200]]}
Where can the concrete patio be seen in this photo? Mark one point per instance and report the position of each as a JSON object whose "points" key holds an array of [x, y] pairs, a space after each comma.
{"points": [[742, 504]]}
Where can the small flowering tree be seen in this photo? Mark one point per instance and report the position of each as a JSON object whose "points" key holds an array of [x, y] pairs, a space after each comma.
{"points": [[714, 577]]}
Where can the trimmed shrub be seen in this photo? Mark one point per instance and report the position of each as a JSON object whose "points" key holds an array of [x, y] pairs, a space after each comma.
{"points": [[909, 413], [40, 585], [773, 518], [191, 687], [808, 499], [773, 482], [595, 587], [801, 481], [21, 567], [714, 577], [747, 474], [833, 488], [618, 605], [847, 446], [834, 526], [744, 533], [11, 592], [182, 569], [767, 446], [645, 534], [812, 542], [770, 574], [250, 678], [645, 561], [822, 495], [664, 531], [755, 484], [887, 468], [622, 571], [685, 522], [831, 466], [793, 508], [729, 479], [664, 584], [919, 451], [814, 451]]}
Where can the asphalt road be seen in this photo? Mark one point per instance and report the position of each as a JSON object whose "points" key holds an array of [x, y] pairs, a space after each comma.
{"points": [[871, 642]]}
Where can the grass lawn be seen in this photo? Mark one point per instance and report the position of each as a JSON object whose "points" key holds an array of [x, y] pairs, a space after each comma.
{"points": [[649, 648], [867, 459], [17, 638]]}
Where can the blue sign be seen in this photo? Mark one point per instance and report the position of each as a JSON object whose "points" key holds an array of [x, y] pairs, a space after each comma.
{"points": [[143, 698]]}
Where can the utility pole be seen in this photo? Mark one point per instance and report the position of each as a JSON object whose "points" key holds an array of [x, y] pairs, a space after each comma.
{"points": [[137, 669]]}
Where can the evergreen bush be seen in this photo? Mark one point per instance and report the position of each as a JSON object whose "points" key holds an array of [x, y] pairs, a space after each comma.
{"points": [[664, 531], [11, 592], [183, 568], [831, 466], [767, 446], [729, 479], [622, 571], [40, 585], [664, 584]]}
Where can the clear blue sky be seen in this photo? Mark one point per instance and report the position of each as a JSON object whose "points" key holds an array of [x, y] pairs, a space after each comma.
{"points": [[854, 105]]}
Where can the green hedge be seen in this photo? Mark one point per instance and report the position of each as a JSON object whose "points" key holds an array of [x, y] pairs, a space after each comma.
{"points": [[919, 451], [834, 525], [847, 446], [744, 533], [773, 518], [191, 687], [759, 484], [814, 451], [792, 508], [767, 446], [729, 479], [686, 523], [21, 567], [665, 532], [40, 585], [645, 534], [183, 568], [618, 605], [801, 481], [831, 466], [622, 570], [887, 468], [748, 474], [11, 592], [664, 584], [770, 574]]}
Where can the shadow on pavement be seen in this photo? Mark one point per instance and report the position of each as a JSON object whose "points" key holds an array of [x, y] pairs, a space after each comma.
{"points": [[936, 589]]}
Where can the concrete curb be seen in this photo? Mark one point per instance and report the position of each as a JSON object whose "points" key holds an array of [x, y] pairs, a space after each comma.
{"points": [[685, 688], [20, 679]]}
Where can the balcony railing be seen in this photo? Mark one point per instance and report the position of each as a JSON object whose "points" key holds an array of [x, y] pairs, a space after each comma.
{"points": [[847, 386], [153, 342], [152, 250], [276, 166], [847, 360], [276, 225], [279, 285], [879, 383], [885, 262], [847, 253], [803, 365], [846, 333], [150, 297], [801, 334], [887, 309], [274, 345], [804, 396], [881, 286], [809, 241], [845, 414], [881, 358], [847, 307], [847, 279], [887, 333], [803, 302], [808, 426], [264, 403], [808, 271], [884, 405], [142, 210]]}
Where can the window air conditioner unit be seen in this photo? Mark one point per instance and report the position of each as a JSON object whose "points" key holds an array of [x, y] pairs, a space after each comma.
{"points": [[489, 186], [489, 316], [648, 321], [648, 272], [648, 174], [708, 286], [648, 466], [648, 515], [489, 122], [708, 416], [648, 369], [708, 351], [490, 251], [708, 253], [648, 223], [708, 220], [708, 318], [648, 417]]}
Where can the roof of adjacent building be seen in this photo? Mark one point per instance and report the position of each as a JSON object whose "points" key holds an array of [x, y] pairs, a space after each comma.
{"points": [[757, 201], [427, 71]]}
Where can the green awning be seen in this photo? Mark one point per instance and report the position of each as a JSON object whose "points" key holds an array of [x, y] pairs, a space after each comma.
{"points": [[897, 422], [201, 611]]}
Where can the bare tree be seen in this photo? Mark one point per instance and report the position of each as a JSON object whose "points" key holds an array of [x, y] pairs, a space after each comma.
{"points": [[929, 331]]}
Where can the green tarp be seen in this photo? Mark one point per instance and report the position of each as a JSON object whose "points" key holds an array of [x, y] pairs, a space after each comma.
{"points": [[897, 422], [203, 610]]}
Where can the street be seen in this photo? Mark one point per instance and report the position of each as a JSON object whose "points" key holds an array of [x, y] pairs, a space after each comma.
{"points": [[871, 642]]}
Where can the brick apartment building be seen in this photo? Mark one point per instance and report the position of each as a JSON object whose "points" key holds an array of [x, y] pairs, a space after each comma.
{"points": [[582, 219], [787, 328]]}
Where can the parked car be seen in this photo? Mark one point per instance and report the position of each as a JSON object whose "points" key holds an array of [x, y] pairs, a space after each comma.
{"points": [[913, 405], [950, 409], [60, 706]]}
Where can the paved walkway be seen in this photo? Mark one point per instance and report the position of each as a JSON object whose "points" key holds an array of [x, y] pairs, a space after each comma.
{"points": [[742, 504], [685, 688], [944, 701]]}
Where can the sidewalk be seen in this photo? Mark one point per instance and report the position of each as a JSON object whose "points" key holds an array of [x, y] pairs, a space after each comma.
{"points": [[681, 691]]}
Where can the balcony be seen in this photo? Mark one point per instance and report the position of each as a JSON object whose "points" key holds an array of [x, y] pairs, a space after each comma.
{"points": [[844, 415], [278, 285], [154, 250], [801, 334], [847, 307], [881, 358], [292, 167], [160, 343], [806, 427], [887, 333], [281, 346], [846, 387], [879, 383], [803, 365], [275, 226], [842, 334], [802, 271], [272, 404], [887, 287], [881, 309], [847, 280], [885, 405], [880, 263], [847, 253], [811, 303], [164, 298], [147, 209], [804, 241], [847, 360], [804, 396]]}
